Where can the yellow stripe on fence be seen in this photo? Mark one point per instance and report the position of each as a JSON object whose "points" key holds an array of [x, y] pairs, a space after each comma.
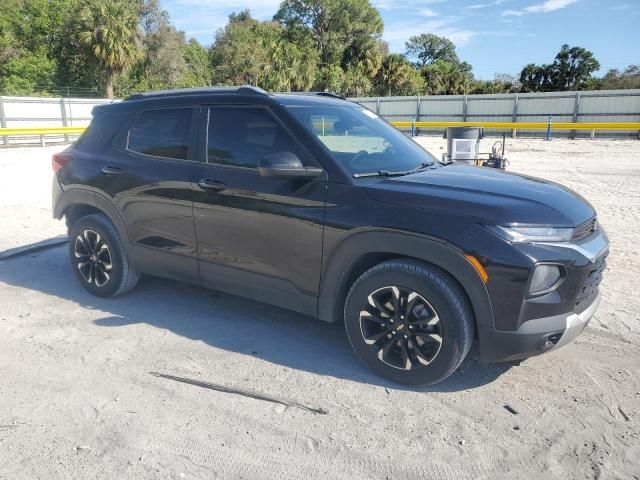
{"points": [[17, 132], [523, 125]]}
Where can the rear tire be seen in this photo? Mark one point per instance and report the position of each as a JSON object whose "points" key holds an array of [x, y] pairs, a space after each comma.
{"points": [[98, 257], [409, 322]]}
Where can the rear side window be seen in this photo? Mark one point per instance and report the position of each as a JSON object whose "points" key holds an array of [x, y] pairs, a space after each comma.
{"points": [[161, 133], [241, 136], [104, 126]]}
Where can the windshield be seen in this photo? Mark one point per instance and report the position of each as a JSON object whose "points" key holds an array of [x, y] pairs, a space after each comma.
{"points": [[361, 141]]}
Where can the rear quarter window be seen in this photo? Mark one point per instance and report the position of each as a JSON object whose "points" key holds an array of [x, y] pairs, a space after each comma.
{"points": [[101, 131]]}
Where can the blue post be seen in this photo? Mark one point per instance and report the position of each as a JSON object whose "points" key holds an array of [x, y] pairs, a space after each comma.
{"points": [[413, 127], [549, 128]]}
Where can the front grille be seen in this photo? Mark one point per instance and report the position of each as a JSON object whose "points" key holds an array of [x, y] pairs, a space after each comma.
{"points": [[590, 286], [585, 229]]}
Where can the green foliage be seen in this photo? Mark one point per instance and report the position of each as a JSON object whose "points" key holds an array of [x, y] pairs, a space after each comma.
{"points": [[198, 73], [502, 83], [36, 50], [398, 77], [258, 53], [447, 78], [27, 74], [165, 64], [614, 79], [339, 29], [571, 70], [427, 48], [332, 78], [87, 47], [110, 31], [238, 55]]}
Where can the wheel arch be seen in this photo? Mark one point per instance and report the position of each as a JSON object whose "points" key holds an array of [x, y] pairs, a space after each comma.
{"points": [[78, 202], [361, 251]]}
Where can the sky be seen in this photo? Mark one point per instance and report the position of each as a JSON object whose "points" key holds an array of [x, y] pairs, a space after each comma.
{"points": [[495, 36]]}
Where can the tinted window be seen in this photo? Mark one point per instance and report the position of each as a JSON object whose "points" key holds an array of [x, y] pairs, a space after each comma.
{"points": [[242, 136], [161, 133], [102, 129]]}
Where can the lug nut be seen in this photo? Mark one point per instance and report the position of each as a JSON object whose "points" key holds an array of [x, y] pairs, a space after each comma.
{"points": [[405, 337], [391, 320], [410, 327]]}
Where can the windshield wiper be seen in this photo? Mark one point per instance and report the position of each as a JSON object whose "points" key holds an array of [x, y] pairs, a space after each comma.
{"points": [[379, 173], [387, 173]]}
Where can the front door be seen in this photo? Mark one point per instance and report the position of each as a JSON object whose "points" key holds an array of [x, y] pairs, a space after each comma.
{"points": [[259, 237]]}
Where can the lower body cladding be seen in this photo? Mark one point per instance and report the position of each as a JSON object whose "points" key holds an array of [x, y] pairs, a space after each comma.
{"points": [[536, 336]]}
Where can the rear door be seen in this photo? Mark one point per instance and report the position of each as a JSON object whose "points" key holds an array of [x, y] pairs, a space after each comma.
{"points": [[149, 178], [258, 237]]}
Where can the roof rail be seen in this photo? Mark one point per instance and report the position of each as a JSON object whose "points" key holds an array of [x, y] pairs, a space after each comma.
{"points": [[250, 89], [244, 89], [329, 94], [319, 94]]}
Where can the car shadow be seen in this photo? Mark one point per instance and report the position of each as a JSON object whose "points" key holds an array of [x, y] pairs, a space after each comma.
{"points": [[227, 322]]}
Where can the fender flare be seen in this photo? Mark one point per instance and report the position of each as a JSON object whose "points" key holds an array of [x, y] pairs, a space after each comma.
{"points": [[77, 196], [69, 198], [435, 252]]}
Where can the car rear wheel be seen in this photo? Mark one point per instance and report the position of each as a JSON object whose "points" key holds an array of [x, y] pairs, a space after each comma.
{"points": [[98, 257], [409, 322]]}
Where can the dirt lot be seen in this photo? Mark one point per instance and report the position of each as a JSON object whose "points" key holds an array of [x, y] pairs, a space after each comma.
{"points": [[77, 399]]}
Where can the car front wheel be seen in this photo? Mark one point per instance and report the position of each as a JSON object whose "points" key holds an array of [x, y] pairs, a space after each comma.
{"points": [[408, 321]]}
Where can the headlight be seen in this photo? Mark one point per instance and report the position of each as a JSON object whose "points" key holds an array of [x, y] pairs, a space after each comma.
{"points": [[534, 234], [544, 278]]}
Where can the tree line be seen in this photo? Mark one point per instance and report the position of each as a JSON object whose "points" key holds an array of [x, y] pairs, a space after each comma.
{"points": [[117, 47]]}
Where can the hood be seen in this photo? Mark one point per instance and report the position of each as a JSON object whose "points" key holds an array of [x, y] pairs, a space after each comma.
{"points": [[490, 195]]}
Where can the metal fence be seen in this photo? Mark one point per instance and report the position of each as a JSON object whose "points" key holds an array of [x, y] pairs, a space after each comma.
{"points": [[36, 112], [602, 106]]}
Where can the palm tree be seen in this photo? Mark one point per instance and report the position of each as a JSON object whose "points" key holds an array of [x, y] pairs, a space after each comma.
{"points": [[394, 72], [109, 29]]}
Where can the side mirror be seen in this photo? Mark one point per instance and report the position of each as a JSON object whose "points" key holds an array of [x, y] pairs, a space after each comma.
{"points": [[286, 165]]}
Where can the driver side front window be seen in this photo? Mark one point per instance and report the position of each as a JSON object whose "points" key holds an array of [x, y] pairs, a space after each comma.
{"points": [[241, 136]]}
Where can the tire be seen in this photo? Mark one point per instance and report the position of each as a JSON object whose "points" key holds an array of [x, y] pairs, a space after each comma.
{"points": [[422, 341], [98, 257]]}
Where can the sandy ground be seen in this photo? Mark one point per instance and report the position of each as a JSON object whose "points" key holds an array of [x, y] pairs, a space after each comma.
{"points": [[77, 399], [25, 196]]}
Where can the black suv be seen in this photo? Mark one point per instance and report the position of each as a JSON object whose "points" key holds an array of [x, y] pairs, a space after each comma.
{"points": [[315, 204]]}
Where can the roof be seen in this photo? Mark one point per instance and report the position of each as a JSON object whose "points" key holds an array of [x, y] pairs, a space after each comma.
{"points": [[245, 94]]}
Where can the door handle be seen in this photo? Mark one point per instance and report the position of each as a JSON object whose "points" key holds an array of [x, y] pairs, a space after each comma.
{"points": [[209, 184], [110, 170]]}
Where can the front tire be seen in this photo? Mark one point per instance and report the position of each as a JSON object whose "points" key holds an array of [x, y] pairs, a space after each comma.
{"points": [[98, 257], [409, 322]]}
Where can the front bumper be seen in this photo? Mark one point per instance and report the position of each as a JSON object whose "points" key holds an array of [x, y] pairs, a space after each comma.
{"points": [[535, 336]]}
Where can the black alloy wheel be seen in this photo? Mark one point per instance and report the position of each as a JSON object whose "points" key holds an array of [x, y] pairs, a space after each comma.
{"points": [[409, 321], [402, 327], [93, 258]]}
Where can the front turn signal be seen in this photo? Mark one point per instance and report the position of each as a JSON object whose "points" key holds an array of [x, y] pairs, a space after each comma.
{"points": [[478, 266]]}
